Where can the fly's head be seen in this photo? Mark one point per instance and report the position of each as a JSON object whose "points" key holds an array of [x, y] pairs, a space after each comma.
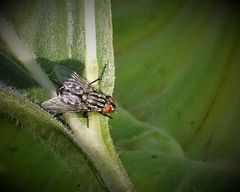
{"points": [[109, 105]]}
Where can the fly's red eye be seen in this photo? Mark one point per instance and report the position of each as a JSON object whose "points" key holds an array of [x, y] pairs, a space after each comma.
{"points": [[107, 109]]}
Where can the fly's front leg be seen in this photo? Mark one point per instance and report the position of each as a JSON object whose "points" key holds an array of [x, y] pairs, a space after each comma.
{"points": [[105, 114], [100, 77]]}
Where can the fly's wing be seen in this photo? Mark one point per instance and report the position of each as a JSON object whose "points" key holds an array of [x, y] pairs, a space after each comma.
{"points": [[71, 81], [60, 104]]}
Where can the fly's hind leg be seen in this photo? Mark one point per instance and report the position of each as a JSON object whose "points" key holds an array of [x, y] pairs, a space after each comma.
{"points": [[56, 115]]}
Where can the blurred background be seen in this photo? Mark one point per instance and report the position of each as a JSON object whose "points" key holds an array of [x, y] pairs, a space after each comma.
{"points": [[178, 71], [177, 65], [177, 87]]}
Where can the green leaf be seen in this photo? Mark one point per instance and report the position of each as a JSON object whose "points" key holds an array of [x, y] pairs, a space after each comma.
{"points": [[168, 173], [24, 153]]}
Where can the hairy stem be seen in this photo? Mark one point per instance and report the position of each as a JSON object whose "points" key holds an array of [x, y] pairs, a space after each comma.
{"points": [[91, 139]]}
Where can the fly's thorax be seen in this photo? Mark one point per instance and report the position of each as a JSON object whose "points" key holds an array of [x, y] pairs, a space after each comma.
{"points": [[96, 101], [100, 102]]}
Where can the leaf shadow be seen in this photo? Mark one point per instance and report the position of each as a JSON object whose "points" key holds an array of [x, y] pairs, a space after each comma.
{"points": [[14, 74]]}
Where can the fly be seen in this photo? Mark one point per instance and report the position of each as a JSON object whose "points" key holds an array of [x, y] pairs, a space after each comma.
{"points": [[78, 95]]}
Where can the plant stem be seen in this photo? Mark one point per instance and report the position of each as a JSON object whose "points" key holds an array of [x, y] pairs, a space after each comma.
{"points": [[90, 139]]}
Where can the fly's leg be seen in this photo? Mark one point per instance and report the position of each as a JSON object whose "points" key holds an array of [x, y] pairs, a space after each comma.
{"points": [[59, 117], [85, 115], [107, 115], [99, 78], [56, 115]]}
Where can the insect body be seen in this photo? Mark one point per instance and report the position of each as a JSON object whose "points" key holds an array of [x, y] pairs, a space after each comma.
{"points": [[77, 95]]}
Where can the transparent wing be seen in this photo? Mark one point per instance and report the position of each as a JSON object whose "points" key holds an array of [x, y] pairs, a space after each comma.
{"points": [[71, 80], [60, 104]]}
